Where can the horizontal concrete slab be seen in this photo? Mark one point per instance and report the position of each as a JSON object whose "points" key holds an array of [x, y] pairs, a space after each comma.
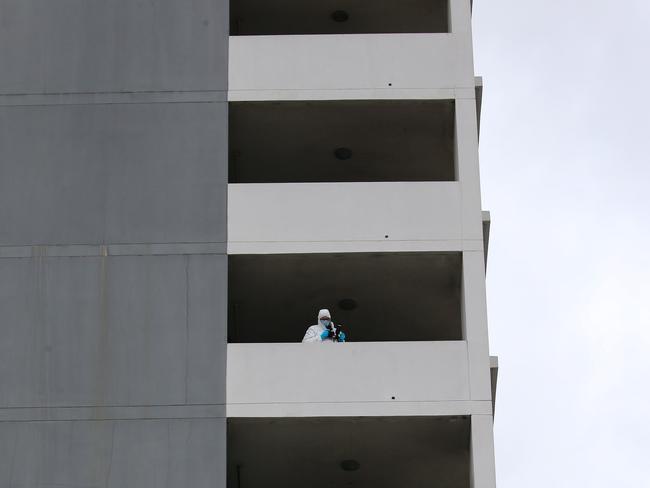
{"points": [[365, 61], [112, 250], [313, 212], [388, 408], [350, 372], [149, 412], [107, 98], [295, 247]]}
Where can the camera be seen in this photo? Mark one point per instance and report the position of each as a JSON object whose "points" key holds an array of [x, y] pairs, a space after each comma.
{"points": [[334, 332]]}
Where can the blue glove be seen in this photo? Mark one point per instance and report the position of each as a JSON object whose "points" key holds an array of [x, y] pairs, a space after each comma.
{"points": [[325, 334], [341, 336]]}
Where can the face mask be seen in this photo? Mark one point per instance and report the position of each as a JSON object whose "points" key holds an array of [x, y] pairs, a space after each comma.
{"points": [[325, 323]]}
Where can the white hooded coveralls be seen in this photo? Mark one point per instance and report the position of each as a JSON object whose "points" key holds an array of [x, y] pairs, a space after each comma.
{"points": [[314, 332]]}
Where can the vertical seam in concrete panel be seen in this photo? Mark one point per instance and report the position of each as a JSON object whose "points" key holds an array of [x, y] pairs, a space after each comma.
{"points": [[102, 371], [187, 323], [42, 321], [110, 459]]}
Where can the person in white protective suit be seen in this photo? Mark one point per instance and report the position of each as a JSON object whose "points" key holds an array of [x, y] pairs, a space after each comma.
{"points": [[325, 330]]}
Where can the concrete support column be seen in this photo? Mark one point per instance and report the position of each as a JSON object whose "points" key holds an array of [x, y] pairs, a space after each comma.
{"points": [[482, 473], [467, 168], [475, 332], [460, 16]]}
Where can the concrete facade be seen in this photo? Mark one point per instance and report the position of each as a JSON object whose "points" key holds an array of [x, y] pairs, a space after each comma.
{"points": [[148, 258], [113, 273], [347, 215]]}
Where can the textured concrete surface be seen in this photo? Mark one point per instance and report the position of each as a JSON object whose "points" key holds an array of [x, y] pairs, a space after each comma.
{"points": [[113, 274], [113, 173], [73, 46], [114, 453], [262, 374], [113, 201], [130, 330], [354, 212], [482, 474], [371, 61]]}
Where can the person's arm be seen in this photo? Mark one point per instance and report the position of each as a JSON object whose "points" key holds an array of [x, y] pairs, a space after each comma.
{"points": [[311, 336]]}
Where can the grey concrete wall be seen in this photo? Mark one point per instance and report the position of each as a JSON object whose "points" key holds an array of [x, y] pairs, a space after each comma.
{"points": [[113, 453], [109, 331], [80, 46], [113, 173], [113, 274]]}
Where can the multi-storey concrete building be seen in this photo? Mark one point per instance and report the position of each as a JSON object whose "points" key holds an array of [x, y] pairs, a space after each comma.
{"points": [[183, 184]]}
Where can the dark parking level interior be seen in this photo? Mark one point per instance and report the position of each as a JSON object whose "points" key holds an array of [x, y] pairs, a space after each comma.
{"points": [[290, 17], [376, 296], [377, 452], [342, 141]]}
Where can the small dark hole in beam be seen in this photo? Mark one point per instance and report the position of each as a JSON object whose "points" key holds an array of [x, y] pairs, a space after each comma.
{"points": [[340, 16], [342, 153]]}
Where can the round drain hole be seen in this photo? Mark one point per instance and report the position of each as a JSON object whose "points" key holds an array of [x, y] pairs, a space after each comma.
{"points": [[340, 16], [342, 153]]}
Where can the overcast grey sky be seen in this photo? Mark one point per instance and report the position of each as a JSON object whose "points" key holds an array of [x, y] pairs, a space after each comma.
{"points": [[565, 167]]}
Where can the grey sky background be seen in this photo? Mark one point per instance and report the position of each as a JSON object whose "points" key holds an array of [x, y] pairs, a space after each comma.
{"points": [[565, 168]]}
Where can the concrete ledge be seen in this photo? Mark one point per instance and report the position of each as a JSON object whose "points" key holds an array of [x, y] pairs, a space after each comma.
{"points": [[364, 372], [479, 100], [378, 211], [268, 247], [354, 61], [359, 409], [494, 374], [82, 250], [446, 93], [28, 99], [487, 222], [150, 412]]}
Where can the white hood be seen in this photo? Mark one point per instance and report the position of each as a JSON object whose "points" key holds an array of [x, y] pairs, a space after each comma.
{"points": [[323, 313]]}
